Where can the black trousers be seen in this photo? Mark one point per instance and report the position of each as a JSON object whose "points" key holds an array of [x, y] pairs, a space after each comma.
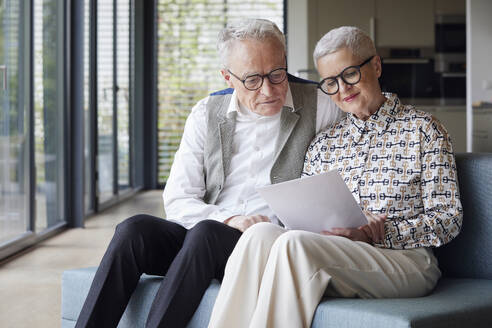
{"points": [[189, 259]]}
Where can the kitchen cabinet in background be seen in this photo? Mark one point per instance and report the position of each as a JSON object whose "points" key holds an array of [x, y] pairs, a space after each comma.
{"points": [[450, 7], [331, 14], [405, 24], [392, 23]]}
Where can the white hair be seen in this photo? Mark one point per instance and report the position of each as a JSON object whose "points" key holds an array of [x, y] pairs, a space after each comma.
{"points": [[350, 37], [252, 29]]}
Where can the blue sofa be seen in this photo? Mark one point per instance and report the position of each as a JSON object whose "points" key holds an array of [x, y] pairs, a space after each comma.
{"points": [[462, 298]]}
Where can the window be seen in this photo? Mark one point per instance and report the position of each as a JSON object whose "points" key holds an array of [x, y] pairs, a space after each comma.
{"points": [[105, 110], [113, 94], [188, 67], [49, 109], [32, 162], [14, 128], [40, 95], [89, 188], [123, 92]]}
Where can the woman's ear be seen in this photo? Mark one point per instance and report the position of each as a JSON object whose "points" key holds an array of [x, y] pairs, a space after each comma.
{"points": [[227, 77], [378, 67]]}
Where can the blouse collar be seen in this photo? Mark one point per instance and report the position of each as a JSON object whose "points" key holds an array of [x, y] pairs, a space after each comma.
{"points": [[377, 122]]}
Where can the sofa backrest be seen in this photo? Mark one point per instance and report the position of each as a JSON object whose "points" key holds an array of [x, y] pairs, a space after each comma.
{"points": [[469, 255]]}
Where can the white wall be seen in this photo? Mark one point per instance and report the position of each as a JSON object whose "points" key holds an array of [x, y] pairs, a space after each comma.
{"points": [[297, 32], [479, 59]]}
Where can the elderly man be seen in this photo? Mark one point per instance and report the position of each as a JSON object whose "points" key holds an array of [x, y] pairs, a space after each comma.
{"points": [[235, 140]]}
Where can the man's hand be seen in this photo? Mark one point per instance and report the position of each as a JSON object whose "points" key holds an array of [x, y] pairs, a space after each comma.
{"points": [[372, 232], [243, 222]]}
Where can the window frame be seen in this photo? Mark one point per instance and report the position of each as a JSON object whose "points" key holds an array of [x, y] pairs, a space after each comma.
{"points": [[71, 81]]}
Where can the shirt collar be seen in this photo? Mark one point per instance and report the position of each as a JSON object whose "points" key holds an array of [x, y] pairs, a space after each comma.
{"points": [[378, 121], [234, 105]]}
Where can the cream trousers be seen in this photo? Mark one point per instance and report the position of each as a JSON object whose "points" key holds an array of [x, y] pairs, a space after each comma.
{"points": [[277, 277]]}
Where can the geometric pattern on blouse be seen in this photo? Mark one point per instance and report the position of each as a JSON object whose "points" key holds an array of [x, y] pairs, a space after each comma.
{"points": [[399, 162]]}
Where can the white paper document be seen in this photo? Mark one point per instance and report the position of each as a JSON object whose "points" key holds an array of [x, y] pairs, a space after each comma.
{"points": [[315, 203]]}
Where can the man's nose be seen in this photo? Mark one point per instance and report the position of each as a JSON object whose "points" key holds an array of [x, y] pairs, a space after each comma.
{"points": [[267, 87]]}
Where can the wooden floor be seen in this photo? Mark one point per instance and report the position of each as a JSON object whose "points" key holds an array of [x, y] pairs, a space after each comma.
{"points": [[30, 284]]}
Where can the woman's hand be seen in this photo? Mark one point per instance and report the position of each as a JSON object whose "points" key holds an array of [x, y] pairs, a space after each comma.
{"points": [[355, 234], [372, 232], [374, 227]]}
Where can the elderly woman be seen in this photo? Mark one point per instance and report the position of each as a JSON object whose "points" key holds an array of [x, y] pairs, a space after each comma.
{"points": [[397, 162]]}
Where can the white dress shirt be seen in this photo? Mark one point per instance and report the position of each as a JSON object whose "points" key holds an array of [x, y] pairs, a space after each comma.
{"points": [[253, 152]]}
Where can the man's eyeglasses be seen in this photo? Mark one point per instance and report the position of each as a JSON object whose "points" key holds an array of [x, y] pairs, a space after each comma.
{"points": [[255, 81], [350, 75]]}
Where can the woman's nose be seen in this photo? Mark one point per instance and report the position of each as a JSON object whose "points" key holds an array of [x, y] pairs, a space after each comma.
{"points": [[343, 86]]}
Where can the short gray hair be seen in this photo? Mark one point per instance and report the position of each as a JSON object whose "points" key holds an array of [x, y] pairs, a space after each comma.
{"points": [[350, 37], [253, 29]]}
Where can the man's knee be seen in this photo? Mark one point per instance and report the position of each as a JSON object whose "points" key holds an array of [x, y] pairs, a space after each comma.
{"points": [[130, 225], [136, 226], [208, 227], [208, 231], [210, 243]]}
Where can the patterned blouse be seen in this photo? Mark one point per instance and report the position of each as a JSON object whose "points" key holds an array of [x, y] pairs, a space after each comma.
{"points": [[399, 162]]}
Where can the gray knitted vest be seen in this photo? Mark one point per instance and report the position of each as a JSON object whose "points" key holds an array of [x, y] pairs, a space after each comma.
{"points": [[297, 129]]}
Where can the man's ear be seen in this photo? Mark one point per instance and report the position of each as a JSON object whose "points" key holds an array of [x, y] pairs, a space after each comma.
{"points": [[227, 77]]}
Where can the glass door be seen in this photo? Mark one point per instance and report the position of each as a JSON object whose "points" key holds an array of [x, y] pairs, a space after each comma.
{"points": [[49, 107], [123, 91], [14, 168], [113, 98], [105, 110], [89, 112]]}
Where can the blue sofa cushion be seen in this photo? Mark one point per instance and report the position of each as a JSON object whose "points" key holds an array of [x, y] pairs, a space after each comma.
{"points": [[76, 284], [454, 303]]}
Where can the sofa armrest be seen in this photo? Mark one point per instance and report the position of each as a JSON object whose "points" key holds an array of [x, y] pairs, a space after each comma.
{"points": [[469, 255]]}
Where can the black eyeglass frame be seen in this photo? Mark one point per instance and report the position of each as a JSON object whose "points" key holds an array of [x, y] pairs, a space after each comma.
{"points": [[335, 78], [262, 78]]}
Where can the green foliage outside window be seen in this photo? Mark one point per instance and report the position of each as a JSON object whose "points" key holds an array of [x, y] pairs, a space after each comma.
{"points": [[188, 66]]}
